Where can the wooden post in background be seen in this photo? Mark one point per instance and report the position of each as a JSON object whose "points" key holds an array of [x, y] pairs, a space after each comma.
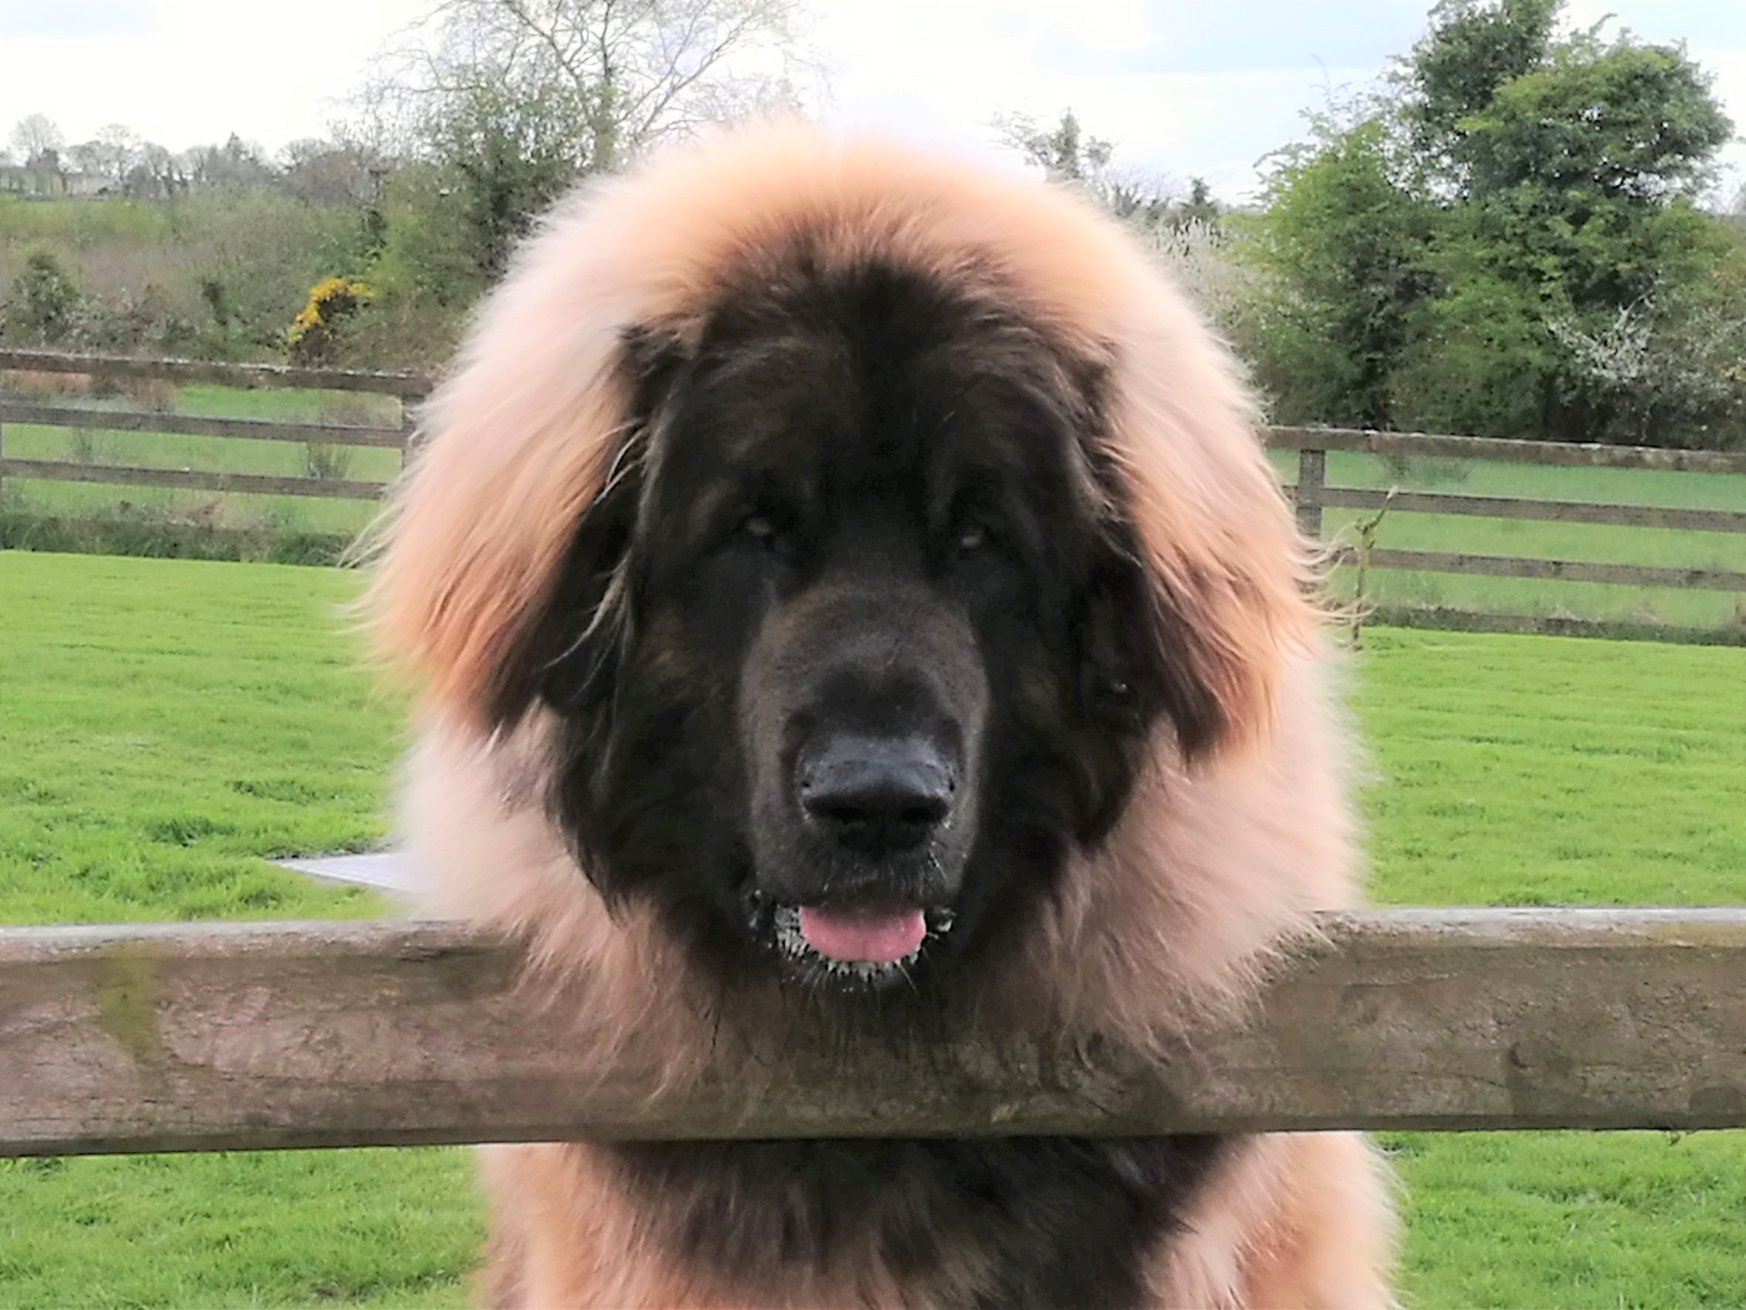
{"points": [[1312, 476]]}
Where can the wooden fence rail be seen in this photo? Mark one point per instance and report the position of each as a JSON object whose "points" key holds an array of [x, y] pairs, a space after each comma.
{"points": [[245, 1036], [408, 386]]}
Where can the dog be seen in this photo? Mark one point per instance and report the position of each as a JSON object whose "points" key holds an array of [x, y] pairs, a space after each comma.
{"points": [[847, 594]]}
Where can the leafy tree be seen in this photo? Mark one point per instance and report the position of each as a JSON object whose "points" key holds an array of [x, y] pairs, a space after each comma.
{"points": [[1514, 207], [509, 102], [1346, 242], [1473, 49], [512, 152], [1067, 154]]}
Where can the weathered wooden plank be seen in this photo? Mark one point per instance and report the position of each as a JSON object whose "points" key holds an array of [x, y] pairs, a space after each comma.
{"points": [[177, 1037], [1307, 492], [1451, 618], [1496, 448], [193, 479], [1504, 507], [195, 425], [410, 386], [1563, 570]]}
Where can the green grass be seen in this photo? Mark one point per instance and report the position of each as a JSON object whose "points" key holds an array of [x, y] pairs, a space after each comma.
{"points": [[168, 724], [1549, 771]]}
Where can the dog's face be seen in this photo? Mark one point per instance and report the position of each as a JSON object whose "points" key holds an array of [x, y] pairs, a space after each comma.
{"points": [[856, 645]]}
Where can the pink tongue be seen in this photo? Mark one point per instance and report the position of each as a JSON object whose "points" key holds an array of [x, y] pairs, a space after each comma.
{"points": [[867, 934]]}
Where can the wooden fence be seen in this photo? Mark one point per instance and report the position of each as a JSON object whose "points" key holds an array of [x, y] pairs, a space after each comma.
{"points": [[1312, 493], [406, 387], [250, 1036]]}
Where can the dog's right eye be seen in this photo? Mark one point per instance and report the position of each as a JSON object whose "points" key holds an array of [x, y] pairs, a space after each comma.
{"points": [[761, 528]]}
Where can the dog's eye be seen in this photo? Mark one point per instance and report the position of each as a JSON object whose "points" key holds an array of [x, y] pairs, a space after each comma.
{"points": [[761, 528], [971, 538]]}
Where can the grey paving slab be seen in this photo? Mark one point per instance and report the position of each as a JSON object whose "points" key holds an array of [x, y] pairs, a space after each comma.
{"points": [[385, 871]]}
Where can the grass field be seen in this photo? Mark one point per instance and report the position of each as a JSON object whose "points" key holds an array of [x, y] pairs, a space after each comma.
{"points": [[168, 724], [1691, 608]]}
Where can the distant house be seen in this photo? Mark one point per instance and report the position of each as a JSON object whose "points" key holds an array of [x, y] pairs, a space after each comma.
{"points": [[41, 183]]}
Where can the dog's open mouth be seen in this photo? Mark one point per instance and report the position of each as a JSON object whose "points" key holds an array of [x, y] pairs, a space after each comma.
{"points": [[867, 940]]}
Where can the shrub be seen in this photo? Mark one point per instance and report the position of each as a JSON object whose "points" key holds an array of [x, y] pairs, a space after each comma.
{"points": [[326, 462], [314, 331], [44, 304]]}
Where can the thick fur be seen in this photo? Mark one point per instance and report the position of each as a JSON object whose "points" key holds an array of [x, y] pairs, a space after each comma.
{"points": [[1214, 817]]}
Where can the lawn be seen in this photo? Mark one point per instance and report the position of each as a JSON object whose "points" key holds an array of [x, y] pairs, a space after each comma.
{"points": [[168, 724]]}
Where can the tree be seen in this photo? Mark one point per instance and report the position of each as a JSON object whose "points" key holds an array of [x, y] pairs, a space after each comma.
{"points": [[156, 174], [34, 136], [1473, 49], [633, 72], [511, 101], [1512, 207], [1345, 240], [111, 154], [235, 163], [331, 172], [1067, 154]]}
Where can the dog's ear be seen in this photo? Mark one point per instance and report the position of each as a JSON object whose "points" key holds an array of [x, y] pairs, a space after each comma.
{"points": [[501, 547], [571, 654], [1139, 659], [1226, 590]]}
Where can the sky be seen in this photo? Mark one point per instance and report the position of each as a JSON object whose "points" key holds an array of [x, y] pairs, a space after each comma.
{"points": [[1183, 88]]}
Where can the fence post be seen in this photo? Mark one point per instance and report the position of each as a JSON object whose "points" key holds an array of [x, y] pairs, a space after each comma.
{"points": [[1312, 476], [408, 431]]}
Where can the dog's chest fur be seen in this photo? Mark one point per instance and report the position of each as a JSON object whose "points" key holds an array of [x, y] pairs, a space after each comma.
{"points": [[1031, 1222]]}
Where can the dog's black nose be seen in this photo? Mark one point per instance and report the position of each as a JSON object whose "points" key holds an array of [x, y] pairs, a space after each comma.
{"points": [[876, 794]]}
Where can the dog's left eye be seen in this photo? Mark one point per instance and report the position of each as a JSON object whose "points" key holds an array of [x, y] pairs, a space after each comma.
{"points": [[971, 538], [761, 528]]}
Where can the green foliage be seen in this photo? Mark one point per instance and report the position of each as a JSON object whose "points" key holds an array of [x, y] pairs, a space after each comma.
{"points": [[508, 153], [215, 272], [1473, 49], [44, 304], [1345, 240], [1621, 122], [1503, 243]]}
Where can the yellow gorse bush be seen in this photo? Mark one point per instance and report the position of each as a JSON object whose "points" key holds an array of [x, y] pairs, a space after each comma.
{"points": [[331, 301]]}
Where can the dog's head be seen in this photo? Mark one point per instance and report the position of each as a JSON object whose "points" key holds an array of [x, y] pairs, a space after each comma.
{"points": [[858, 570]]}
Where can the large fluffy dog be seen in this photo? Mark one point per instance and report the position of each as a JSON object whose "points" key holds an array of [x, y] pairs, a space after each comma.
{"points": [[848, 593]]}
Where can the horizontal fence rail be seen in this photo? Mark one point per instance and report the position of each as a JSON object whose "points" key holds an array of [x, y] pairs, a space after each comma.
{"points": [[190, 479], [408, 386], [1561, 570], [196, 425], [1546, 511], [240, 1036], [1420, 445]]}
